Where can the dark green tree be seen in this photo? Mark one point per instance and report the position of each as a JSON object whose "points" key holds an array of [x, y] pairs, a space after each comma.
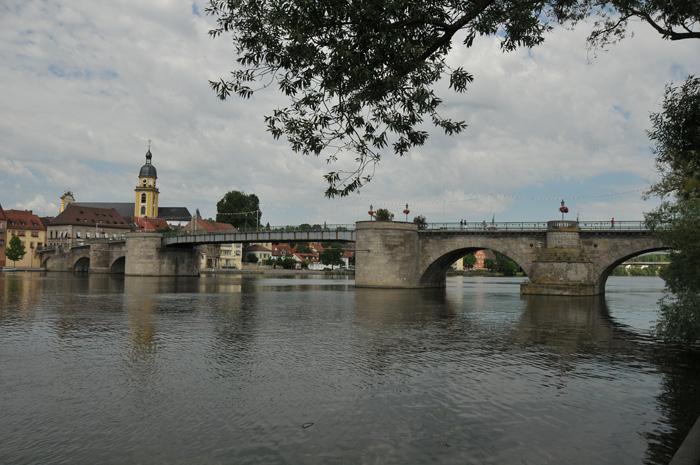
{"points": [[382, 214], [360, 77], [676, 133], [469, 260], [420, 221], [505, 265], [239, 209], [15, 249], [332, 256], [678, 225], [619, 271]]}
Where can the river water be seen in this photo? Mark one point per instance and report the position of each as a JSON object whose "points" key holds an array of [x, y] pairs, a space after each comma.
{"points": [[309, 370]]}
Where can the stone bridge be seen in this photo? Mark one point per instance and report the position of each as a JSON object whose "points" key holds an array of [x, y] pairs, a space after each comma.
{"points": [[141, 254], [97, 257], [560, 260]]}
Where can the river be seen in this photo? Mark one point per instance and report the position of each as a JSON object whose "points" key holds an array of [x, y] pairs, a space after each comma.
{"points": [[235, 369]]}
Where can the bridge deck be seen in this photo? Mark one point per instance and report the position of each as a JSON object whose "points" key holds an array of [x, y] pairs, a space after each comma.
{"points": [[201, 238]]}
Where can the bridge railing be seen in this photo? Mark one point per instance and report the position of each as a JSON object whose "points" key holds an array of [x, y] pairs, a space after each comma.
{"points": [[271, 229], [487, 226], [533, 226]]}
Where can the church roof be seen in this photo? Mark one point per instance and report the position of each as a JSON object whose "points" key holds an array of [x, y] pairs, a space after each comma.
{"points": [[173, 213], [148, 169]]}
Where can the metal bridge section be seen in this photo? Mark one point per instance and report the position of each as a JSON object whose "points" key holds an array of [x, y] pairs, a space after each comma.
{"points": [[190, 239]]}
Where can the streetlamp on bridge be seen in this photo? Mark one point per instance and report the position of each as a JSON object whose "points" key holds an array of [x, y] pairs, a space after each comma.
{"points": [[371, 212], [563, 209], [406, 212]]}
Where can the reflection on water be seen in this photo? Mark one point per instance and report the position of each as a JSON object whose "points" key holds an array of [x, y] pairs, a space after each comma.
{"points": [[233, 369]]}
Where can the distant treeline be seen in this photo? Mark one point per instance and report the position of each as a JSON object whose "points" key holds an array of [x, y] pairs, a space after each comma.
{"points": [[650, 270]]}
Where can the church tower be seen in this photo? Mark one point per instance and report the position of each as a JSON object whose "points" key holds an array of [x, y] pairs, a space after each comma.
{"points": [[146, 204]]}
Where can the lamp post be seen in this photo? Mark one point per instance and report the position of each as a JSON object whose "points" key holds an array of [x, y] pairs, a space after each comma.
{"points": [[406, 212], [371, 212], [563, 209]]}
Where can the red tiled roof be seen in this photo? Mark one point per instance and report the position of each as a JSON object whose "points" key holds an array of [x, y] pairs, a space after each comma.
{"points": [[204, 225], [151, 224], [255, 248], [2, 214], [23, 219], [278, 249]]}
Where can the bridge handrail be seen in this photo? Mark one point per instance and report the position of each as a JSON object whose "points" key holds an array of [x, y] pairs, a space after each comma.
{"points": [[534, 226], [271, 229]]}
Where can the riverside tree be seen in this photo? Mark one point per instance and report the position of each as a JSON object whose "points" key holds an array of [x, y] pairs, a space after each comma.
{"points": [[676, 132], [239, 209], [333, 255], [360, 76], [15, 249]]}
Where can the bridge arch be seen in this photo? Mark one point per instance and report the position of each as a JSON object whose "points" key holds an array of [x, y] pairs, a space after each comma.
{"points": [[631, 250], [82, 264], [440, 251], [118, 266]]}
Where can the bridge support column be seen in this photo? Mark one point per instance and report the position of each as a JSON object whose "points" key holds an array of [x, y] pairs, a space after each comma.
{"points": [[145, 256], [99, 257], [562, 267], [386, 254]]}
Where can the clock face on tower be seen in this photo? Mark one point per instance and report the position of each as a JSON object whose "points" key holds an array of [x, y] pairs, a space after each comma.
{"points": [[144, 181]]}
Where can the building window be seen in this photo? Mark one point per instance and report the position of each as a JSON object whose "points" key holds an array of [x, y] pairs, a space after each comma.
{"points": [[35, 234], [143, 198], [77, 234], [143, 210]]}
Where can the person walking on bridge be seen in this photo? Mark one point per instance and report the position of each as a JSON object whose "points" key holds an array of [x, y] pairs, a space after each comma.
{"points": [[612, 223]]}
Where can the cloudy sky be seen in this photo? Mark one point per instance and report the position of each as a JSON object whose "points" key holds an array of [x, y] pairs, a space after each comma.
{"points": [[86, 84]]}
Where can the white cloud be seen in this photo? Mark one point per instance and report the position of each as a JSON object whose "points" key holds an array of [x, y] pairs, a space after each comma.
{"points": [[87, 84]]}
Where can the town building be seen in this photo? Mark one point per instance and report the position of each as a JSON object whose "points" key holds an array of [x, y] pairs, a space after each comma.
{"points": [[260, 252], [481, 257], [3, 236], [219, 256], [79, 225], [31, 231]]}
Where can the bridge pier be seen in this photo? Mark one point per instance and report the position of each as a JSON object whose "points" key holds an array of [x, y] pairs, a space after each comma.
{"points": [[385, 254], [145, 256], [563, 266]]}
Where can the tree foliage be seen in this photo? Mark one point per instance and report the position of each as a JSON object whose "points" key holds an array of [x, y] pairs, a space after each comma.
{"points": [[239, 209], [15, 249], [676, 131], [360, 77], [678, 225], [382, 214], [676, 20], [420, 221], [332, 256], [469, 260]]}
